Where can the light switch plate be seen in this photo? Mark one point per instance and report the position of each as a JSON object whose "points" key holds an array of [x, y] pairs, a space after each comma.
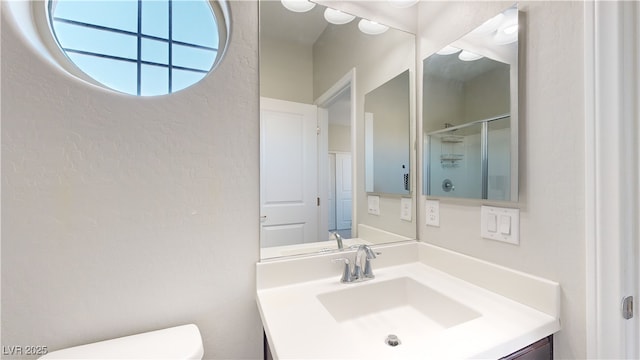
{"points": [[506, 229], [432, 210], [405, 209], [373, 202]]}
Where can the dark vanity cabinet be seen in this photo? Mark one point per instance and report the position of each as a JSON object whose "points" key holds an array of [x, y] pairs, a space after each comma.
{"points": [[539, 350]]}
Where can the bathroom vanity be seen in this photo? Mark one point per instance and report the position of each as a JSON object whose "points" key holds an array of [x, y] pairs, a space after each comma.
{"points": [[419, 301], [424, 302]]}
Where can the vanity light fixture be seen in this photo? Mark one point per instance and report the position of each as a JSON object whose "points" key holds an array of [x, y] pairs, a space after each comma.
{"points": [[508, 31], [507, 34], [298, 5], [371, 27], [337, 17], [448, 50], [402, 3], [466, 55], [511, 29]]}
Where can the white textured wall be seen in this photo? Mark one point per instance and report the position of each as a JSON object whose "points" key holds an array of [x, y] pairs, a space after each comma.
{"points": [[551, 154], [121, 214]]}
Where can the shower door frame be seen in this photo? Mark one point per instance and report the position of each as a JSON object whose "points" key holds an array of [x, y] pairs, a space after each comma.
{"points": [[612, 176]]}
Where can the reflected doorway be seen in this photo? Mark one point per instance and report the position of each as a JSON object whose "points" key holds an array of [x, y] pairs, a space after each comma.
{"points": [[335, 175], [340, 193]]}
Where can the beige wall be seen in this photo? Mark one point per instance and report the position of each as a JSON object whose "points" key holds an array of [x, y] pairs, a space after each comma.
{"points": [[123, 214], [482, 104], [459, 102], [444, 101], [286, 71], [339, 138], [551, 154]]}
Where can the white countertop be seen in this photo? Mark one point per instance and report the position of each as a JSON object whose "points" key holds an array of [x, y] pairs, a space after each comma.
{"points": [[508, 318], [307, 248]]}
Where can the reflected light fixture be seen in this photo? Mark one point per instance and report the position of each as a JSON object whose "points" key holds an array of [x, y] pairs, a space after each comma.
{"points": [[337, 17], [466, 55], [371, 27], [508, 31], [448, 50], [402, 3], [298, 5]]}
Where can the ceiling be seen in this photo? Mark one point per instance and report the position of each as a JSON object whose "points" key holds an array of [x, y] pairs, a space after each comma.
{"points": [[450, 67], [276, 22]]}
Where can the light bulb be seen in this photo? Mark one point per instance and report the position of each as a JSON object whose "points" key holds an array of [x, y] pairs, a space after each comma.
{"points": [[371, 27], [298, 5], [466, 55], [402, 3], [337, 17], [448, 50], [508, 31]]}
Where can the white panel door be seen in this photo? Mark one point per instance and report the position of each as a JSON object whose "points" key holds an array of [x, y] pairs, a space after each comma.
{"points": [[343, 191], [332, 192], [288, 173]]}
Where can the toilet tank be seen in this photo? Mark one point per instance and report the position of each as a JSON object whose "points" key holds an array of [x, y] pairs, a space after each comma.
{"points": [[180, 342]]}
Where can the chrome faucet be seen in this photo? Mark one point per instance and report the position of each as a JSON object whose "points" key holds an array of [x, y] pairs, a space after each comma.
{"points": [[364, 255], [338, 239]]}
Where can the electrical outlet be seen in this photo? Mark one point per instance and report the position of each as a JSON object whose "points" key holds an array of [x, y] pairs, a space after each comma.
{"points": [[432, 209], [373, 202], [405, 209]]}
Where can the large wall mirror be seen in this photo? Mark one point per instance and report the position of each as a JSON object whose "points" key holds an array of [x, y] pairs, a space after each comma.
{"points": [[316, 67], [470, 113]]}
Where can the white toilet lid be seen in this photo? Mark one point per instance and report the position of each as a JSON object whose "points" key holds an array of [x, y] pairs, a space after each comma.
{"points": [[180, 342]]}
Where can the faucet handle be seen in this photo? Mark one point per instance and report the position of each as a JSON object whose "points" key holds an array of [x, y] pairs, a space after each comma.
{"points": [[368, 271], [371, 254], [346, 272]]}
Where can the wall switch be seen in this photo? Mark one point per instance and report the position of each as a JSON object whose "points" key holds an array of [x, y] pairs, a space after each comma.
{"points": [[405, 209], [505, 224], [432, 209], [492, 223], [500, 224], [373, 202]]}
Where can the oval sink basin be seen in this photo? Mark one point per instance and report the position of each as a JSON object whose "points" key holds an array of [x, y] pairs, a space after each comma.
{"points": [[400, 305]]}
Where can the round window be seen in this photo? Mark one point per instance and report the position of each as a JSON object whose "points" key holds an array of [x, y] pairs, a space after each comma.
{"points": [[139, 47]]}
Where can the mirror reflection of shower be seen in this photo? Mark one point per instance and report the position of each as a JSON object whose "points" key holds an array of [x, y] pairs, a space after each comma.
{"points": [[470, 113]]}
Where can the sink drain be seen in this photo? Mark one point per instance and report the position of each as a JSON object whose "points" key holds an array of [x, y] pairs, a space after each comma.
{"points": [[392, 340]]}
